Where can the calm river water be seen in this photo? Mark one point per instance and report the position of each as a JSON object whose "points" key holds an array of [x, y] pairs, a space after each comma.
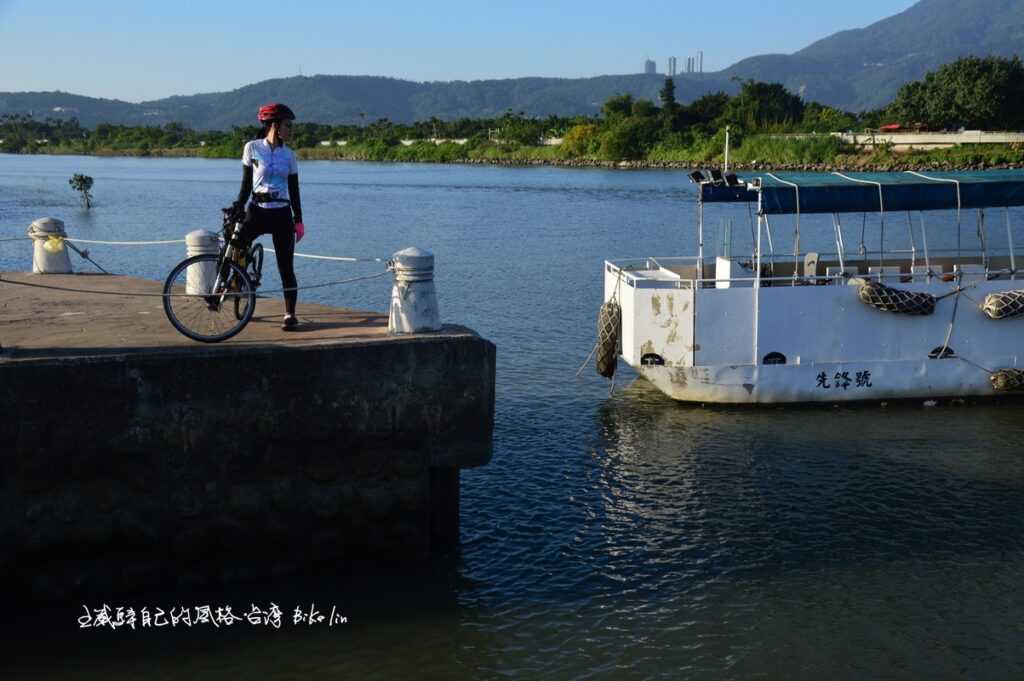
{"points": [[613, 536]]}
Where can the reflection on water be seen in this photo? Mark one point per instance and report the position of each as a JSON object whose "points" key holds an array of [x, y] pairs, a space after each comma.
{"points": [[610, 537], [812, 484]]}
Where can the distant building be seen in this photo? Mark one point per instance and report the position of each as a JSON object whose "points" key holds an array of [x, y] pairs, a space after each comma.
{"points": [[650, 66], [672, 66], [695, 64]]}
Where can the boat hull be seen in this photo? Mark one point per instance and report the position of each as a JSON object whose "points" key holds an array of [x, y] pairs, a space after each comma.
{"points": [[745, 344], [828, 382]]}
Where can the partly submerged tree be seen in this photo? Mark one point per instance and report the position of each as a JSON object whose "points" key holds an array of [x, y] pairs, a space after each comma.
{"points": [[82, 184]]}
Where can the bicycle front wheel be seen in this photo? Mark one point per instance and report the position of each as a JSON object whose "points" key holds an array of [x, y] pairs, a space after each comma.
{"points": [[240, 306], [203, 306]]}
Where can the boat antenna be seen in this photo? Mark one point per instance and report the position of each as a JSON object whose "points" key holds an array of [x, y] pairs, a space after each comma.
{"points": [[725, 167]]}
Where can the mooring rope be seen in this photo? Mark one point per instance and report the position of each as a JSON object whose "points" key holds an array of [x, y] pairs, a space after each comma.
{"points": [[952, 322], [337, 258], [85, 254], [229, 294], [1009, 239], [960, 291], [123, 243], [975, 365], [330, 283], [587, 360], [601, 332]]}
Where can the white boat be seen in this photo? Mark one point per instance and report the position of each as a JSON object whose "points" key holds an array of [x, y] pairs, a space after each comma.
{"points": [[850, 325]]}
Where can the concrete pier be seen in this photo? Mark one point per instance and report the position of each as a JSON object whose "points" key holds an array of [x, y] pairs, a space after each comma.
{"points": [[131, 454]]}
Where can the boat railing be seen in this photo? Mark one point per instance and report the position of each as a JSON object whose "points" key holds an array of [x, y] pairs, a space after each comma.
{"points": [[891, 267], [660, 272], [814, 268]]}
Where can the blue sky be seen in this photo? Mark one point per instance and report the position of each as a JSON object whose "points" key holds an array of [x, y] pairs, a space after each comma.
{"points": [[145, 50]]}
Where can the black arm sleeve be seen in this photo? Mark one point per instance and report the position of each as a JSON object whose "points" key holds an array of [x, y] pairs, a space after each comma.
{"points": [[246, 190], [293, 195]]}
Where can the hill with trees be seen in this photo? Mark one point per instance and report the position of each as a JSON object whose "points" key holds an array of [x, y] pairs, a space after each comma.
{"points": [[863, 68], [339, 100], [768, 125], [854, 70]]}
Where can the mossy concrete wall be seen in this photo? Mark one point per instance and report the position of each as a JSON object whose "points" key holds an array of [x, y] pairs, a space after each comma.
{"points": [[195, 465]]}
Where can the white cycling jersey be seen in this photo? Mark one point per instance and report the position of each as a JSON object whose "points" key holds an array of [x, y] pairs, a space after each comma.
{"points": [[271, 167]]}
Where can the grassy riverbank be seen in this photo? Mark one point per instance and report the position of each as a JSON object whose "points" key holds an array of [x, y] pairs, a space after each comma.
{"points": [[756, 152], [761, 152]]}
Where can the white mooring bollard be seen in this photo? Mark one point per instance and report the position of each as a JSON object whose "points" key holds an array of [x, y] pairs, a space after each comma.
{"points": [[413, 298], [49, 254], [199, 278]]}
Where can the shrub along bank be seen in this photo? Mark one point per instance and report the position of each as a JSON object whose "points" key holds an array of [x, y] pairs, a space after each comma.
{"points": [[759, 120]]}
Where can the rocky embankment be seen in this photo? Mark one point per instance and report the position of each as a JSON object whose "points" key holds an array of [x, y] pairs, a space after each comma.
{"points": [[845, 165]]}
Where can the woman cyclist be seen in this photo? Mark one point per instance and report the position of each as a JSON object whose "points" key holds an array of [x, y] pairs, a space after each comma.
{"points": [[270, 197]]}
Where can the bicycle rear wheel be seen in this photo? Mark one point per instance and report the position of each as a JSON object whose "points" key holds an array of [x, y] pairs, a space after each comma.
{"points": [[198, 310], [256, 265]]}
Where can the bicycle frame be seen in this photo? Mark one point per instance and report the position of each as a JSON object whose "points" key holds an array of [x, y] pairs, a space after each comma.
{"points": [[226, 254], [231, 252], [231, 273]]}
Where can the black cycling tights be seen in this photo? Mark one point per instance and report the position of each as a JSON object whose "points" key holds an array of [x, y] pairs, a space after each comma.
{"points": [[277, 222]]}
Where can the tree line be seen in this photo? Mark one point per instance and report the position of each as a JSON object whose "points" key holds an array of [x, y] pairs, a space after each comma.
{"points": [[973, 93]]}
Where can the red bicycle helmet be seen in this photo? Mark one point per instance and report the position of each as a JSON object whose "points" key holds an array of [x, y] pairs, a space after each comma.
{"points": [[275, 112]]}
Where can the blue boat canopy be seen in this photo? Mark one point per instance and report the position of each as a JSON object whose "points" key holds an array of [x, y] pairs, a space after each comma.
{"points": [[872, 192]]}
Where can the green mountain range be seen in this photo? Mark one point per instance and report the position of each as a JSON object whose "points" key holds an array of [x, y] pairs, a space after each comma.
{"points": [[863, 68], [852, 70]]}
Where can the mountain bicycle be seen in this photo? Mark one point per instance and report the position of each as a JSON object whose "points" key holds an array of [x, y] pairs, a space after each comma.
{"points": [[212, 297]]}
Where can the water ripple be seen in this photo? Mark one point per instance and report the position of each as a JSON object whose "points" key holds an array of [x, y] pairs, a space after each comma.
{"points": [[612, 537]]}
